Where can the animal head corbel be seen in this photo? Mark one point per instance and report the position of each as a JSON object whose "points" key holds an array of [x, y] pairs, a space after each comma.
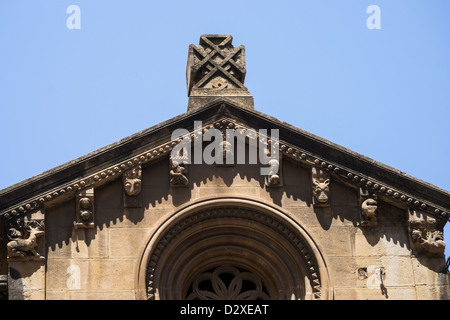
{"points": [[369, 208], [320, 188], [426, 233]]}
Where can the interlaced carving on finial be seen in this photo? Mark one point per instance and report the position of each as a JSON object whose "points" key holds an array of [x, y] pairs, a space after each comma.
{"points": [[215, 64]]}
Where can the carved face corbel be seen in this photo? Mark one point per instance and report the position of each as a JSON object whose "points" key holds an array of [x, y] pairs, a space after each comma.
{"points": [[132, 186], [132, 183], [227, 153], [426, 233], [320, 188]]}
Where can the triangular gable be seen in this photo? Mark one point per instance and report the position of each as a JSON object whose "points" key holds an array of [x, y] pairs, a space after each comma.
{"points": [[150, 145]]}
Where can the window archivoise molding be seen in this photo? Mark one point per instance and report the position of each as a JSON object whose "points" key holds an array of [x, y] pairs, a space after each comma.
{"points": [[212, 252]]}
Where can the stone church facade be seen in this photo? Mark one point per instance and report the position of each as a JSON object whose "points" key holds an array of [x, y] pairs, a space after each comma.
{"points": [[223, 202]]}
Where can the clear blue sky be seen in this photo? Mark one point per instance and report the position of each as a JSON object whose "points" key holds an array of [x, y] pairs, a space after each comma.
{"points": [[314, 64]]}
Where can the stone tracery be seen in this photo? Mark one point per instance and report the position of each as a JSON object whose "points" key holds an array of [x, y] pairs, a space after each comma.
{"points": [[227, 283]]}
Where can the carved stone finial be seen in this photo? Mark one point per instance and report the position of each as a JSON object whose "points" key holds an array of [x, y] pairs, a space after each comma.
{"points": [[216, 69]]}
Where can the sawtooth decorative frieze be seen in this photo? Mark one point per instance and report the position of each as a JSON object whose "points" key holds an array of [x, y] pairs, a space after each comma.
{"points": [[286, 150]]}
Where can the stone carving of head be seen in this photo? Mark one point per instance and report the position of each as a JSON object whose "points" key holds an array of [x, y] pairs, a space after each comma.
{"points": [[321, 190], [369, 207], [132, 183], [427, 233]]}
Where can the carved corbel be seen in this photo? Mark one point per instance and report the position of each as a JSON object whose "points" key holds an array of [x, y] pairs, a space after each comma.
{"points": [[426, 233], [320, 187], [132, 185], [84, 208], [227, 152], [178, 172], [369, 208], [23, 239], [274, 177]]}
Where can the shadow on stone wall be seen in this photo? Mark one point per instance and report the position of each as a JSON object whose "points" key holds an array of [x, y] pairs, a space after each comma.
{"points": [[212, 179]]}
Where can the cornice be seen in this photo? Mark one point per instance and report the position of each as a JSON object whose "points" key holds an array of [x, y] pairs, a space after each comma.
{"points": [[153, 144]]}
